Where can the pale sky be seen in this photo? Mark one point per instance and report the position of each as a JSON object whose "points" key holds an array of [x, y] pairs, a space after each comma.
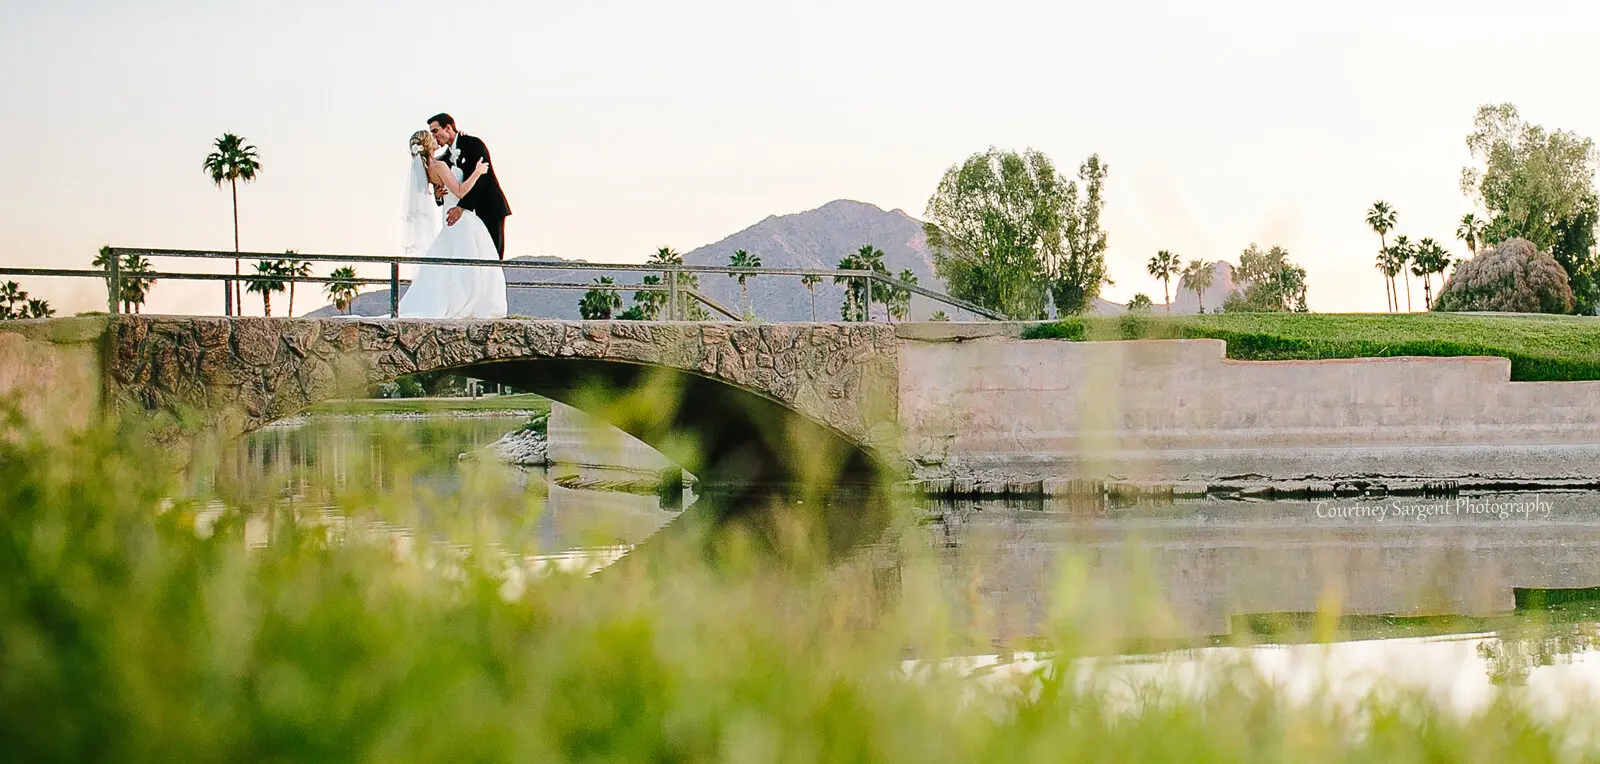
{"points": [[619, 127]]}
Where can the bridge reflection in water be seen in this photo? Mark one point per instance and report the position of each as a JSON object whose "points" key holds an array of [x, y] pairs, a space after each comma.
{"points": [[1219, 568]]}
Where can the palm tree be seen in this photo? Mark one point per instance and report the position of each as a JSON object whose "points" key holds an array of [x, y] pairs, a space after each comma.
{"points": [[669, 256], [1197, 278], [135, 289], [295, 269], [233, 160], [1471, 231], [1164, 266], [597, 304], [1430, 258], [649, 302], [859, 293], [267, 279], [898, 304], [871, 259], [811, 280], [1385, 263], [853, 292], [342, 289], [743, 259], [1382, 219], [1404, 250], [39, 309]]}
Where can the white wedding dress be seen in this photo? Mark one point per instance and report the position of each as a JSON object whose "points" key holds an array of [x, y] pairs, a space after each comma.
{"points": [[457, 291]]}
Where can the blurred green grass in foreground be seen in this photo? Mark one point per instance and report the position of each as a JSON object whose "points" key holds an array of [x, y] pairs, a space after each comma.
{"points": [[135, 628]]}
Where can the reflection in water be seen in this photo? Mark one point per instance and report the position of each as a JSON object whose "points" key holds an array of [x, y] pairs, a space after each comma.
{"points": [[1405, 571]]}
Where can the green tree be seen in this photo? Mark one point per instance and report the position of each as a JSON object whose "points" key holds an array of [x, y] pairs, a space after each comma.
{"points": [[1197, 276], [1429, 259], [995, 225], [1381, 219], [939, 315], [743, 259], [811, 280], [295, 269], [633, 313], [1272, 283], [1140, 303], [268, 278], [1538, 185], [598, 304], [1471, 230], [233, 159], [1077, 277], [1164, 266], [342, 289]]}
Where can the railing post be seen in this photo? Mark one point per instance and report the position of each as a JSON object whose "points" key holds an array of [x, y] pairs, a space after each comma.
{"points": [[113, 284], [671, 277], [394, 290], [227, 297]]}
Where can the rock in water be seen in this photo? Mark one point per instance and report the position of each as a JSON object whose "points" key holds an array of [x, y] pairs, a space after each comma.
{"points": [[525, 448]]}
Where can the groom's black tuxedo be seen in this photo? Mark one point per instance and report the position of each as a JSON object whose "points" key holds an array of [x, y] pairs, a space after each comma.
{"points": [[485, 199]]}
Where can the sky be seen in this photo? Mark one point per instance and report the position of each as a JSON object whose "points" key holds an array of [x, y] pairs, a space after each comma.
{"points": [[618, 127]]}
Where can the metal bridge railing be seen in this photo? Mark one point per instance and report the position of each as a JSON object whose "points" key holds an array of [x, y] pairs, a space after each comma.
{"points": [[676, 302]]}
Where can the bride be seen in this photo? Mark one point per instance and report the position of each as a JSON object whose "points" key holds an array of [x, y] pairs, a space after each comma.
{"points": [[444, 291]]}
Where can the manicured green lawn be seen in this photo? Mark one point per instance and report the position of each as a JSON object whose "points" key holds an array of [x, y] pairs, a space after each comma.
{"points": [[1541, 348], [434, 405]]}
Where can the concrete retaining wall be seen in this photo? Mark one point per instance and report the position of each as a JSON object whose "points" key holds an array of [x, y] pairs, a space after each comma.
{"points": [[584, 446], [51, 371], [1004, 409]]}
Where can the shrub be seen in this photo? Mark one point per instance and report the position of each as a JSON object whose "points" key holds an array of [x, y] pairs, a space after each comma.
{"points": [[1514, 277]]}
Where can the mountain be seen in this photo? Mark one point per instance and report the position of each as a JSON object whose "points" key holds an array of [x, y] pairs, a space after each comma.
{"points": [[813, 239]]}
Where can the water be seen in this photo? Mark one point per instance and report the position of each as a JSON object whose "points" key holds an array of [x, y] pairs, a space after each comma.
{"points": [[1420, 590]]}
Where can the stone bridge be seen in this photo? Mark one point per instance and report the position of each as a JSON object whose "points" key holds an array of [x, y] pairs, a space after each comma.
{"points": [[752, 401], [968, 408]]}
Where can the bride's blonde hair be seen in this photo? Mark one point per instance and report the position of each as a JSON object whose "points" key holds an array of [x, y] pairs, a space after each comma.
{"points": [[423, 147]]}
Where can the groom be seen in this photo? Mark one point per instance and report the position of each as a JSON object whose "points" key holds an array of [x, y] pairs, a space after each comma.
{"points": [[486, 199]]}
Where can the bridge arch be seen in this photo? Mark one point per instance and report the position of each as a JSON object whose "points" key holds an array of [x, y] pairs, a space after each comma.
{"points": [[731, 402]]}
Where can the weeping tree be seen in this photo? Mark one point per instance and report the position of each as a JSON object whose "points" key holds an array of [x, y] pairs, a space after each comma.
{"points": [[1513, 276]]}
